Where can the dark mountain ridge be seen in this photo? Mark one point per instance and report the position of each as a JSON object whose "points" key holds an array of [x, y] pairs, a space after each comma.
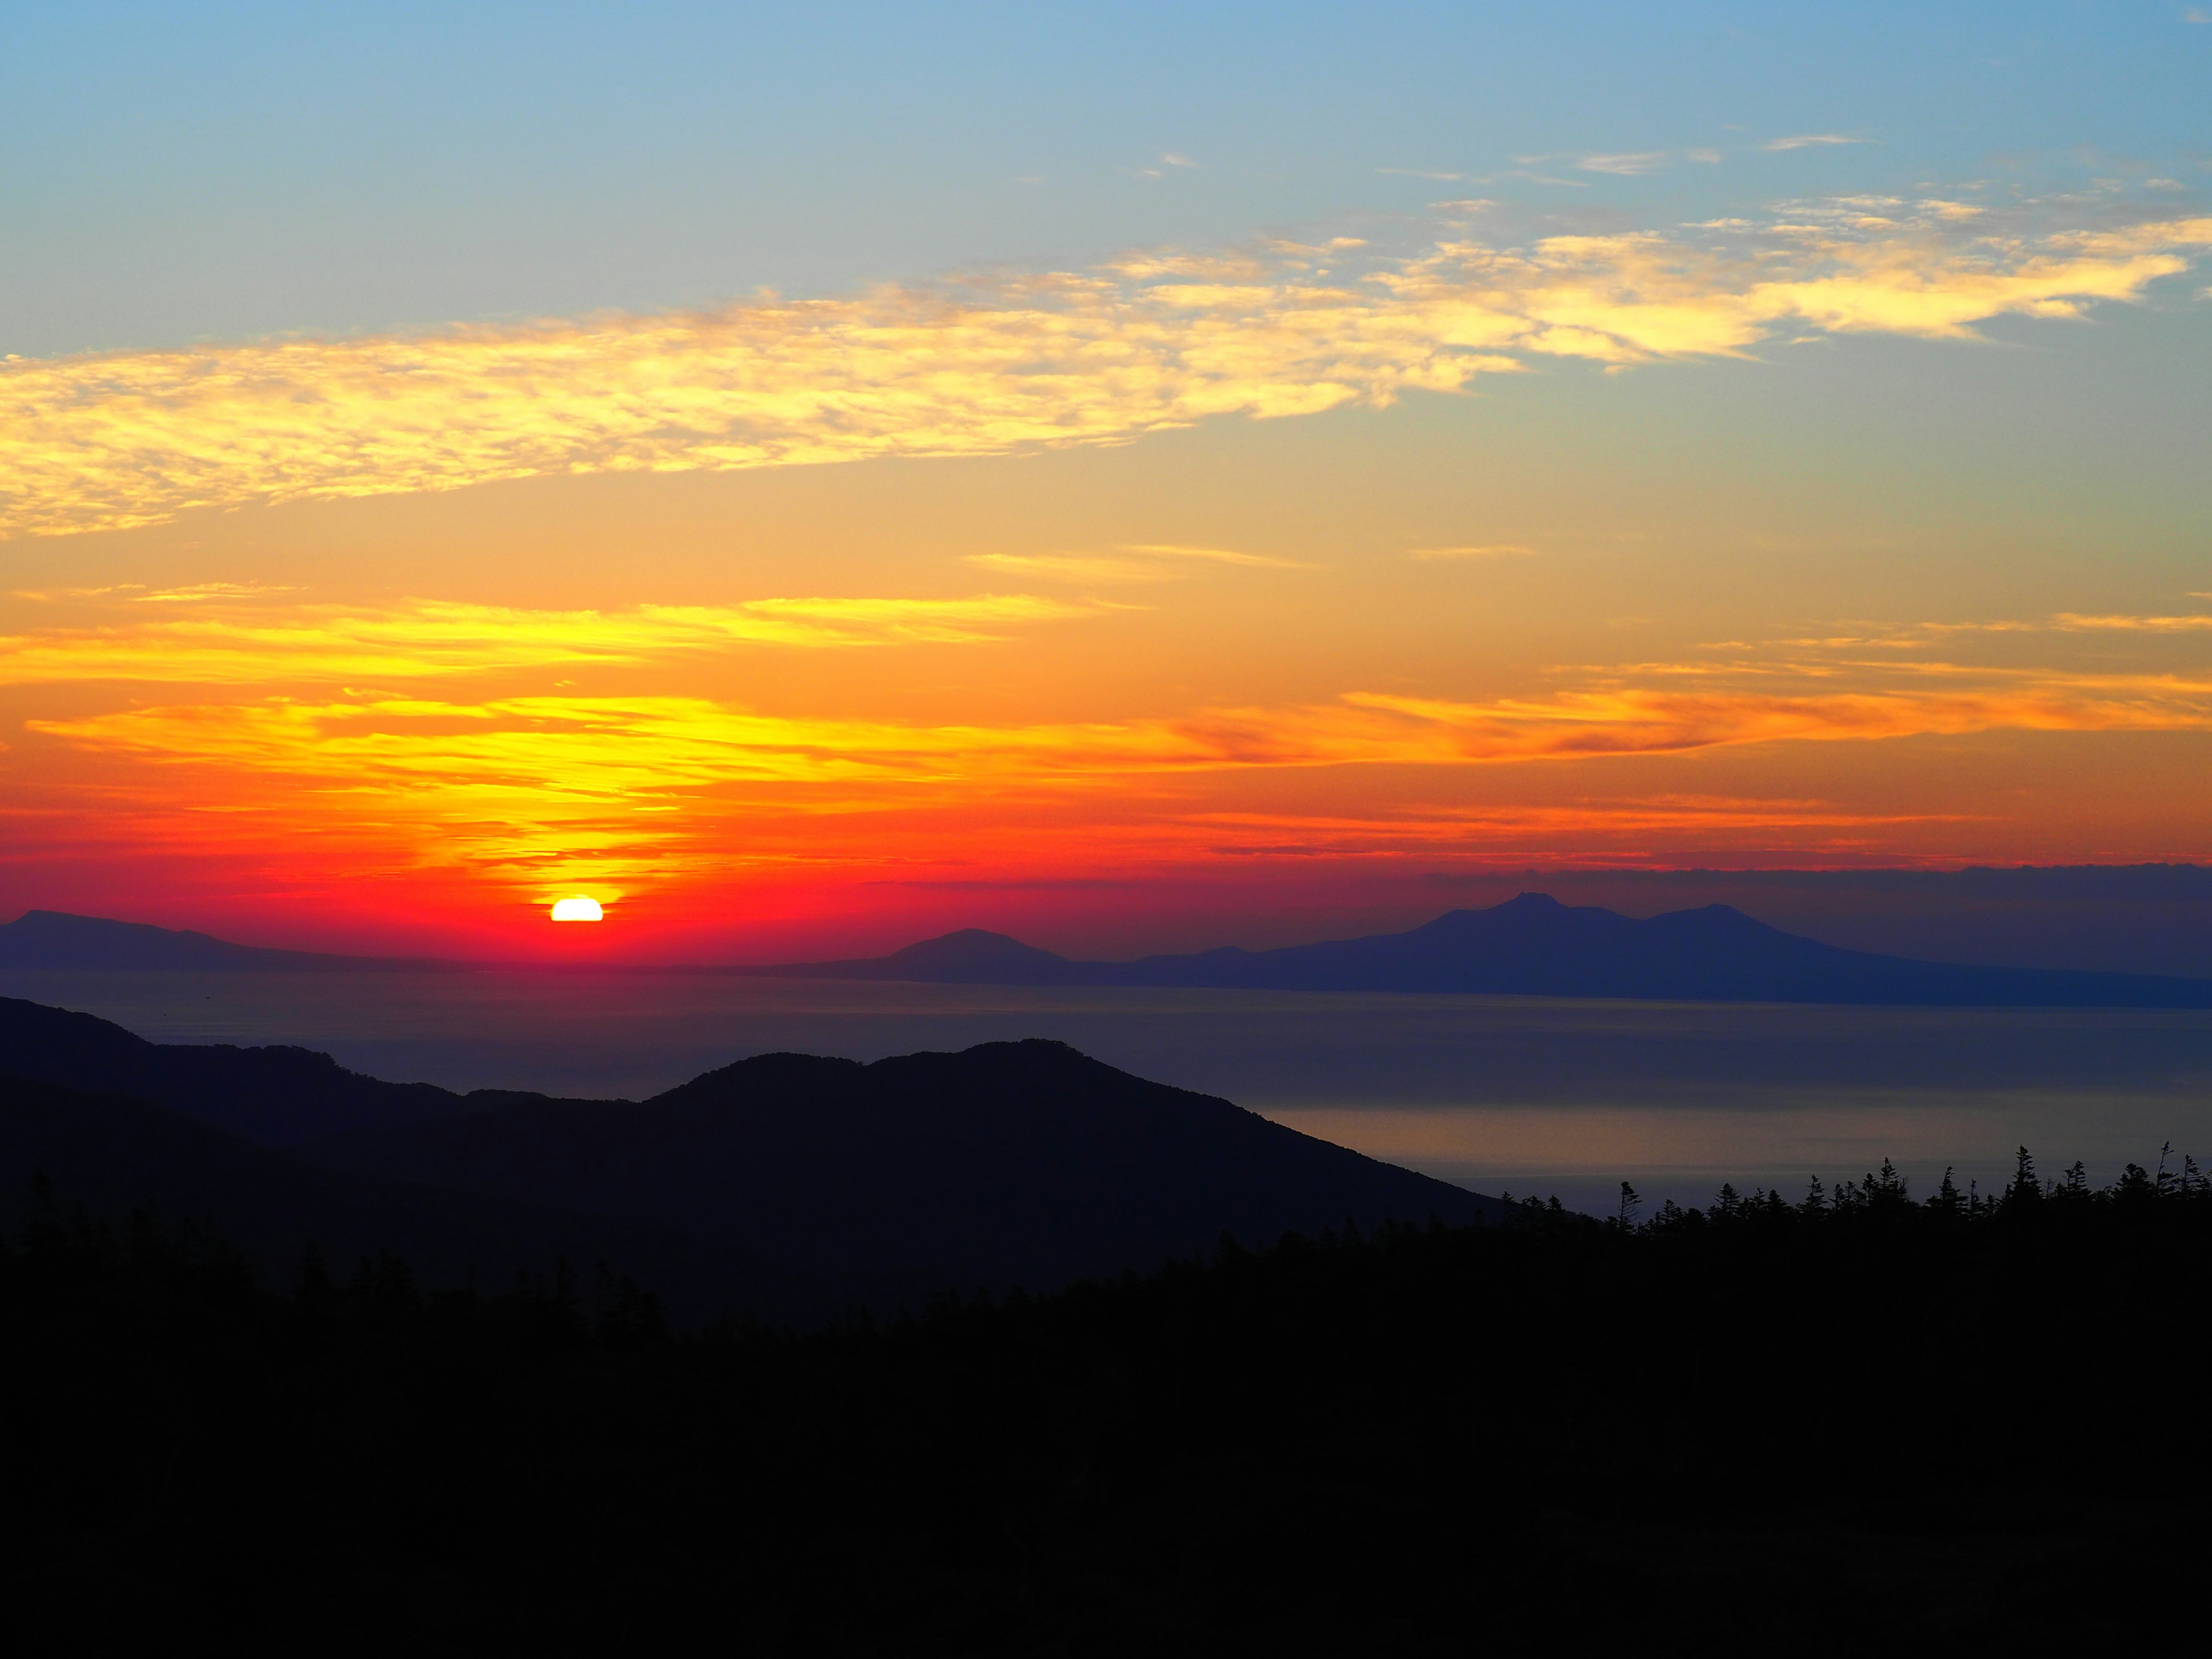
{"points": [[779, 1182], [1023, 1163], [1533, 945], [114, 1156], [278, 1096]]}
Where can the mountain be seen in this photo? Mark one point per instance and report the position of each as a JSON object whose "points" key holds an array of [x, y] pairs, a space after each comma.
{"points": [[55, 939], [1011, 1164], [970, 957], [277, 1096], [112, 1156], [1022, 1163], [1533, 945]]}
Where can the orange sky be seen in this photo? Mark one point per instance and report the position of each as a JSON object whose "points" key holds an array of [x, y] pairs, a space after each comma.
{"points": [[1196, 597]]}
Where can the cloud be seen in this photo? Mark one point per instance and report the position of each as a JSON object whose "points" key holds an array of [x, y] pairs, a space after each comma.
{"points": [[1626, 166], [621, 789], [997, 366], [1172, 160], [1076, 567], [2070, 620], [1810, 140], [430, 638], [1487, 550], [1422, 173], [1213, 555]]}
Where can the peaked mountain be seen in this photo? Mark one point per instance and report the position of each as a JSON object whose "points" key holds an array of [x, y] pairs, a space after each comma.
{"points": [[1011, 1164], [971, 955], [55, 939], [1534, 945]]}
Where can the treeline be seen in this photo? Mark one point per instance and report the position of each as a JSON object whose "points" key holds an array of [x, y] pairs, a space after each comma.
{"points": [[1851, 1422]]}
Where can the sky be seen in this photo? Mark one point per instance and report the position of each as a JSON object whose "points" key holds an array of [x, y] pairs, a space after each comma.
{"points": [[1140, 478]]}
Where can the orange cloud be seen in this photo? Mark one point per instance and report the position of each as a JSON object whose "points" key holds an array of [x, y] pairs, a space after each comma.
{"points": [[431, 638], [111, 440], [609, 792]]}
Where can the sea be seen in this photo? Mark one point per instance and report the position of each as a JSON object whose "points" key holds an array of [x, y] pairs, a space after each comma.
{"points": [[1526, 1094]]}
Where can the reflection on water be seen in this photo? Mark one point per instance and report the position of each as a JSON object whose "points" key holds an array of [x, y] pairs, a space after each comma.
{"points": [[1527, 1093]]}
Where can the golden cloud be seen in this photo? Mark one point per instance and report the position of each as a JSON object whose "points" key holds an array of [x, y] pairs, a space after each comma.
{"points": [[621, 787], [432, 637], [110, 441]]}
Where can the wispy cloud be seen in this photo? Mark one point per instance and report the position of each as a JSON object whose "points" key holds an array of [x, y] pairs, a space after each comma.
{"points": [[1214, 556], [107, 441], [2068, 619], [1812, 140], [428, 638], [1627, 165], [1076, 567], [1486, 550], [627, 788], [1421, 172]]}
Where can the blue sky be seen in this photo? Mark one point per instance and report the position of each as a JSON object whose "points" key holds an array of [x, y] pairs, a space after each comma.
{"points": [[170, 172]]}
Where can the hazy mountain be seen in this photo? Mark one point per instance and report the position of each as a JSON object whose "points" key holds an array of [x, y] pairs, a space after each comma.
{"points": [[1011, 1164], [277, 1096], [55, 939], [1534, 945], [971, 956]]}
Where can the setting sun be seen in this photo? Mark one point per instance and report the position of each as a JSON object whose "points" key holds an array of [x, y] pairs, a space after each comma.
{"points": [[578, 909]]}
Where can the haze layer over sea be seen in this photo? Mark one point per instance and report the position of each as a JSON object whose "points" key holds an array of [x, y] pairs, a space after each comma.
{"points": [[1537, 1095]]}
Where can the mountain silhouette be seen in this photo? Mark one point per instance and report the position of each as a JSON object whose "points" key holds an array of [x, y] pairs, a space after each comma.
{"points": [[1010, 1163], [55, 939], [113, 1155], [277, 1096], [772, 1180], [1534, 945]]}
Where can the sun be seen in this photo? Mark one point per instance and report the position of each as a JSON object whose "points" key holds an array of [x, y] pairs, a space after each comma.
{"points": [[578, 909]]}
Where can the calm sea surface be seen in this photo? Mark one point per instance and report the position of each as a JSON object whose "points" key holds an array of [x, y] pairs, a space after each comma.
{"points": [[1528, 1093]]}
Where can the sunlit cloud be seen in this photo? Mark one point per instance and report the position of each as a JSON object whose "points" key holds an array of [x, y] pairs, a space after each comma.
{"points": [[2133, 624], [1076, 566], [1812, 140], [1625, 167], [1486, 550], [1214, 556], [991, 366], [430, 638], [629, 789]]}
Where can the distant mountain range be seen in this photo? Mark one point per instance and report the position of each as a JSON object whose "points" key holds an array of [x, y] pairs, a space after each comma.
{"points": [[784, 1185], [57, 940], [1532, 946]]}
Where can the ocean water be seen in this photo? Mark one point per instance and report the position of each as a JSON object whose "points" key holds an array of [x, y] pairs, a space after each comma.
{"points": [[1524, 1094]]}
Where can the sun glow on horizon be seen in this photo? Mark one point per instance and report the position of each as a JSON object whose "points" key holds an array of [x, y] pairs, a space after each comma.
{"points": [[578, 909]]}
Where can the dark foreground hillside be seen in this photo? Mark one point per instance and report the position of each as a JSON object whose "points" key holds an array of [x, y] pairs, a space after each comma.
{"points": [[1863, 1425]]}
